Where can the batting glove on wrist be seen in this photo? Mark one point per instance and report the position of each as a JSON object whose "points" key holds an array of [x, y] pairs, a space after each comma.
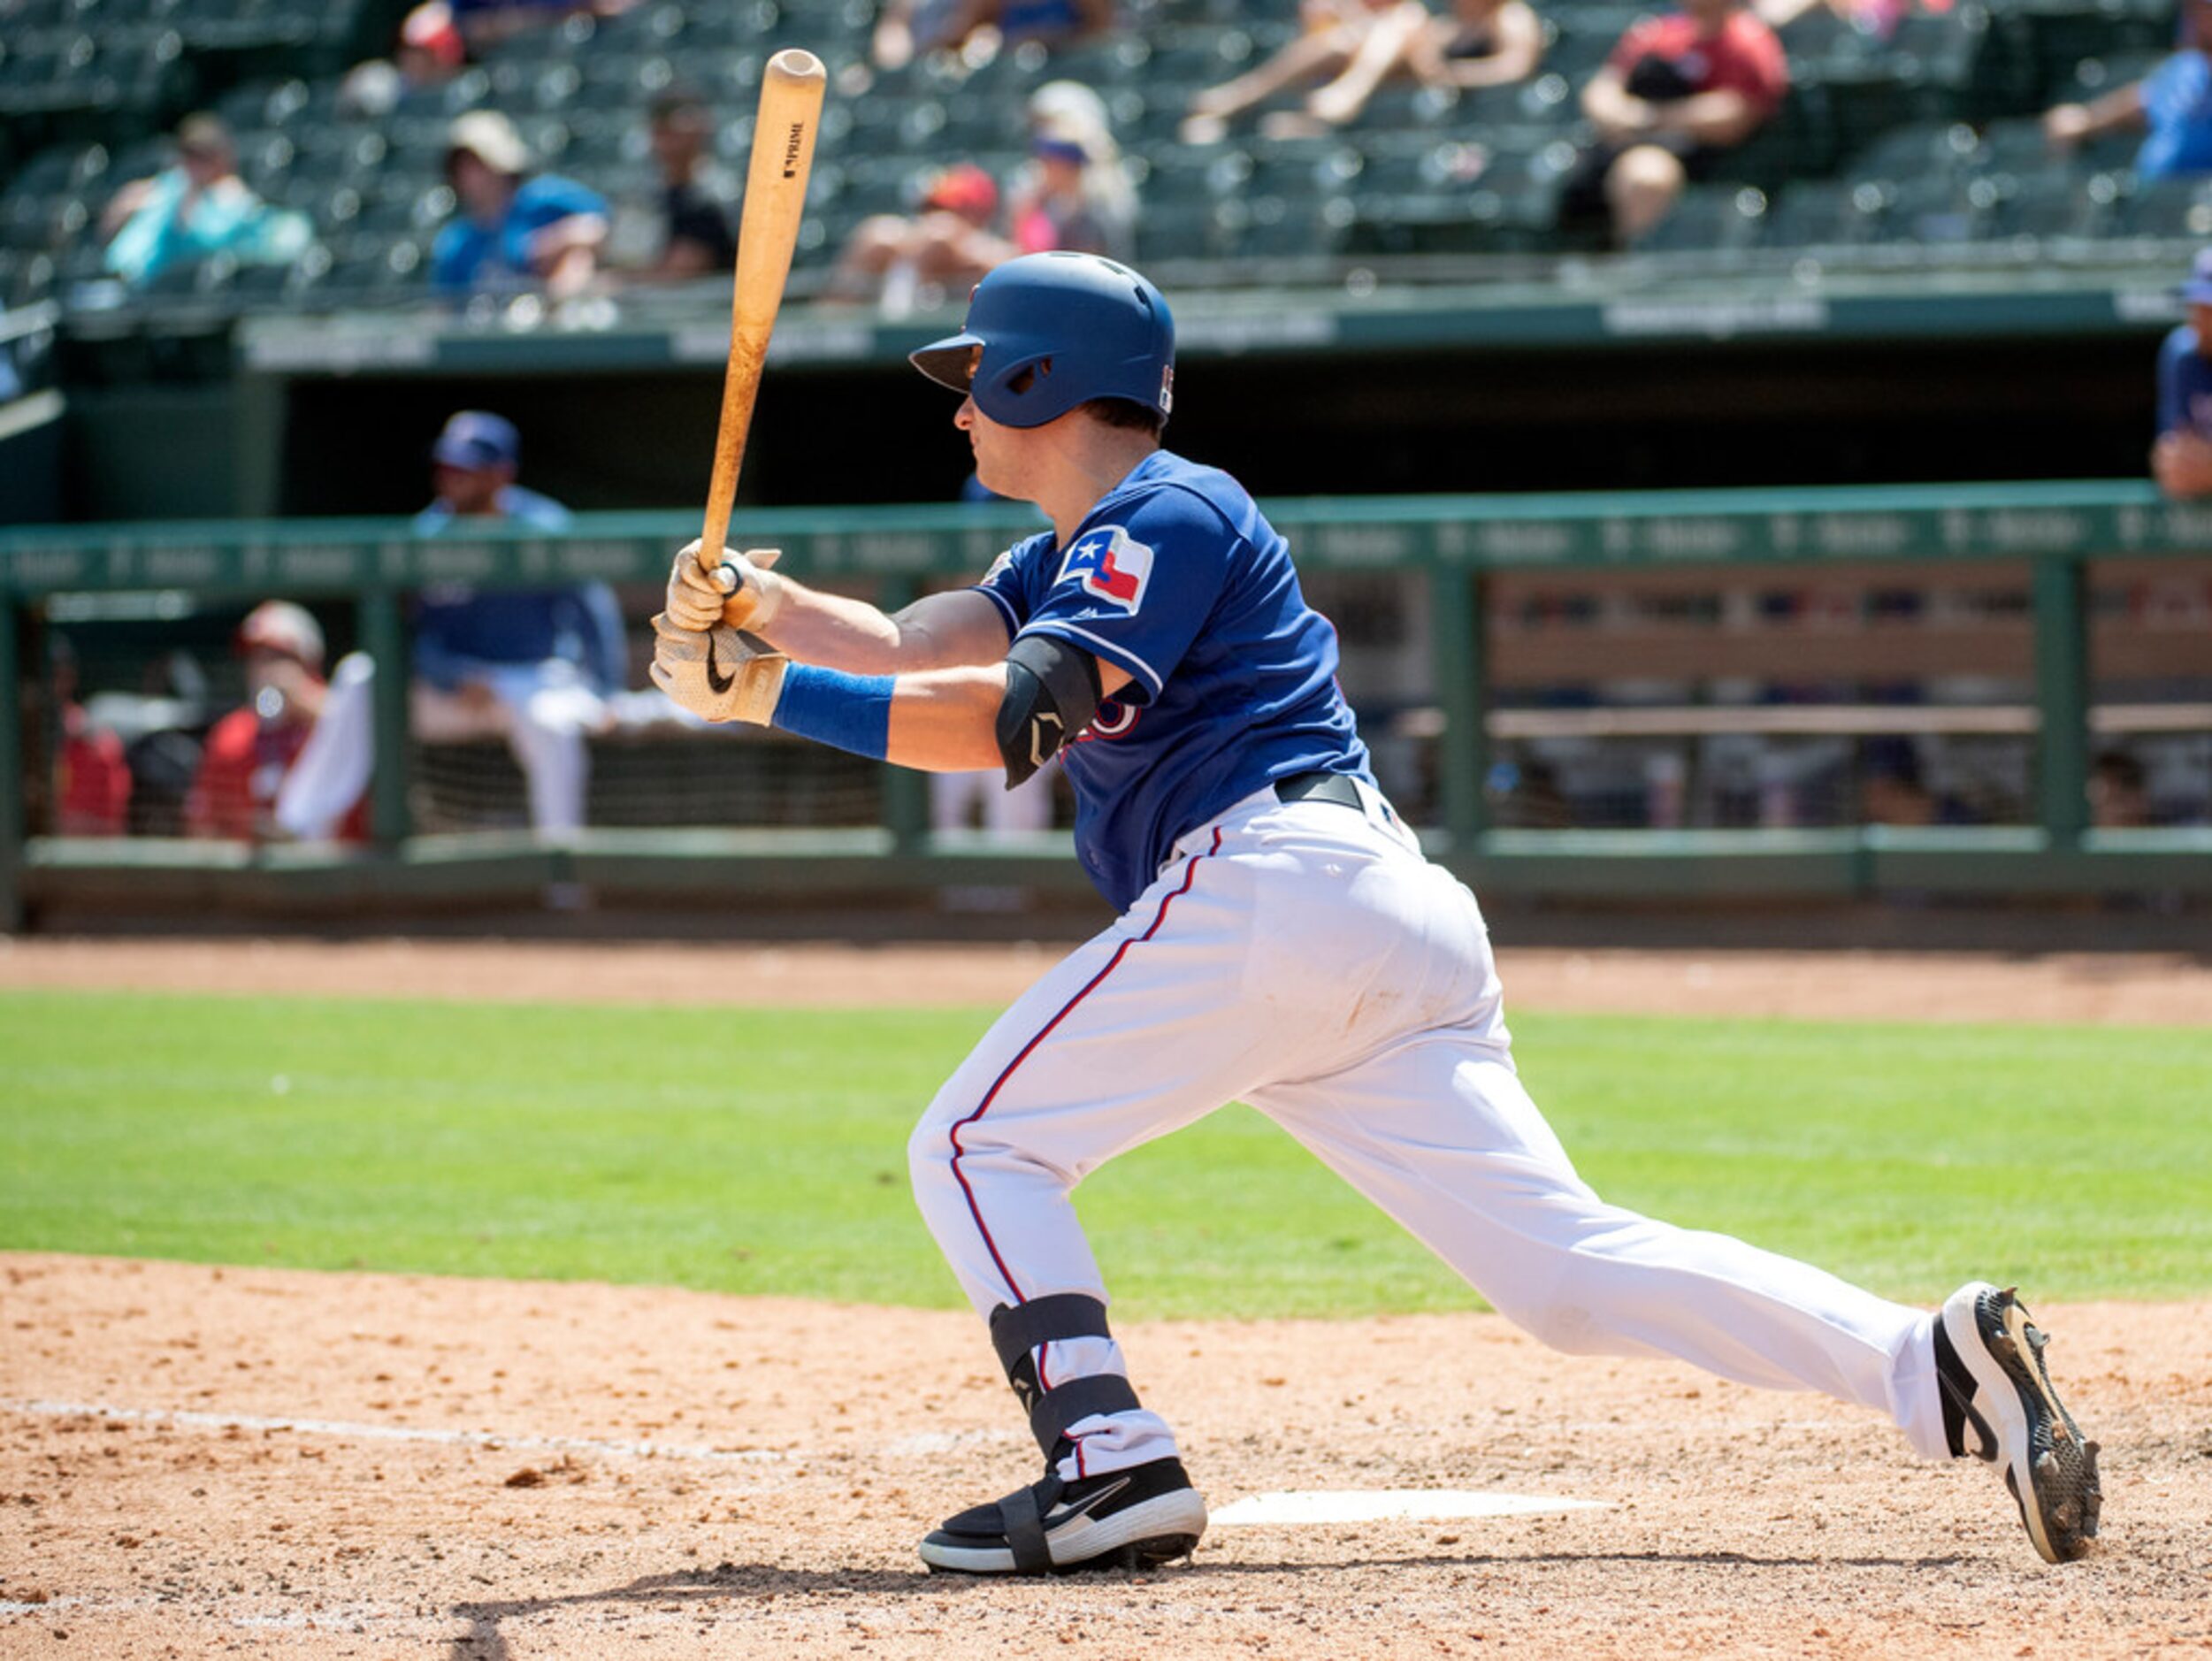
{"points": [[741, 591], [717, 673]]}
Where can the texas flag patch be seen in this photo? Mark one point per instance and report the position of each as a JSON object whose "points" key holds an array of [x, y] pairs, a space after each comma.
{"points": [[1111, 565]]}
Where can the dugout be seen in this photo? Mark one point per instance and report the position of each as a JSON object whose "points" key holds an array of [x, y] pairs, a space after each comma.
{"points": [[1679, 695]]}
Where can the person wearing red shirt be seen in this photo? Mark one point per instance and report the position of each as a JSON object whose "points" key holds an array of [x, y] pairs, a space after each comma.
{"points": [[1679, 92], [250, 752], [92, 780]]}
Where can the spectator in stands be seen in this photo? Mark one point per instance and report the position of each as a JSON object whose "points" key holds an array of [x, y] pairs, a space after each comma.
{"points": [[976, 29], [2119, 797], [689, 232], [194, 211], [1350, 46], [1679, 92], [1893, 789], [944, 249], [2173, 103], [513, 232], [246, 765], [2181, 459], [1076, 194], [92, 780], [429, 55]]}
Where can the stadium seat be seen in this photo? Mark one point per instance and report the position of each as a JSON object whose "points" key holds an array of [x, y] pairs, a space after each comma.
{"points": [[1722, 218], [2168, 208], [1924, 149], [1827, 213]]}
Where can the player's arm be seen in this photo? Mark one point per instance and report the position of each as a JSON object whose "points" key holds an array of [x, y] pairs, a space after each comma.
{"points": [[948, 631], [1015, 713]]}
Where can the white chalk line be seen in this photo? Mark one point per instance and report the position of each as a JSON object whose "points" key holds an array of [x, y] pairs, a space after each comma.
{"points": [[400, 1433], [1313, 1506], [925, 1443]]}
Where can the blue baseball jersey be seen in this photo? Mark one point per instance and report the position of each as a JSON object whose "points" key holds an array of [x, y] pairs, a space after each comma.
{"points": [[1175, 577], [2184, 385]]}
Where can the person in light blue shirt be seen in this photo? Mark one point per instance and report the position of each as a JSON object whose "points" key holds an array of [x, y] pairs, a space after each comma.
{"points": [[195, 210], [515, 234], [2173, 104]]}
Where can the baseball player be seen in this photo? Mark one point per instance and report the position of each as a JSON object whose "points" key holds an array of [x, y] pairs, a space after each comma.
{"points": [[1281, 940]]}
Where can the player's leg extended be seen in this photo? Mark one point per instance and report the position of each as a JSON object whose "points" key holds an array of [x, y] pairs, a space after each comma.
{"points": [[1444, 1138], [1430, 1122]]}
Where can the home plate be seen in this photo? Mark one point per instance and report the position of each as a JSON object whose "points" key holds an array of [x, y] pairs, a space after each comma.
{"points": [[1387, 1504]]}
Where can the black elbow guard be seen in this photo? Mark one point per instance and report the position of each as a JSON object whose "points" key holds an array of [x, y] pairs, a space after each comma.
{"points": [[1052, 694]]}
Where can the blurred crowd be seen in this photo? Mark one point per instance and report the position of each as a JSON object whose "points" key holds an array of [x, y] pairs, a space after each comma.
{"points": [[1681, 90]]}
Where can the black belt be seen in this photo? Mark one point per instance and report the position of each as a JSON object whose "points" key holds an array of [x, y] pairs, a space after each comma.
{"points": [[1334, 787]]}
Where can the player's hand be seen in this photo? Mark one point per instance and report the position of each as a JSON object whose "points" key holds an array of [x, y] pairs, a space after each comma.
{"points": [[717, 673], [741, 591]]}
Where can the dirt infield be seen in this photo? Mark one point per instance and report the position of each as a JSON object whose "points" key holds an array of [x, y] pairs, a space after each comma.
{"points": [[198, 1461], [201, 1461]]}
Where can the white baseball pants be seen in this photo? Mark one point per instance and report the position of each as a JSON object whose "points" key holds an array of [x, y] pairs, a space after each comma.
{"points": [[1307, 959], [544, 710]]}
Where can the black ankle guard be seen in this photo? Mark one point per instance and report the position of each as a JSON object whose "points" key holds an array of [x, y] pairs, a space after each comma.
{"points": [[1017, 1329]]}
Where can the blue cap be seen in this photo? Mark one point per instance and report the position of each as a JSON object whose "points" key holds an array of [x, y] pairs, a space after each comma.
{"points": [[2198, 290], [475, 439]]}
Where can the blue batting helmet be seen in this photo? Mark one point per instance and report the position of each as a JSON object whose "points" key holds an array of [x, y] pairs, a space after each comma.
{"points": [[1057, 330]]}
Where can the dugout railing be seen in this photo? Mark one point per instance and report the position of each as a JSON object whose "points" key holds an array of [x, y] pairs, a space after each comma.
{"points": [[1488, 579]]}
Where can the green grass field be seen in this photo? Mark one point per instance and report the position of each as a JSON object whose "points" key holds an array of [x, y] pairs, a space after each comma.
{"points": [[765, 1152]]}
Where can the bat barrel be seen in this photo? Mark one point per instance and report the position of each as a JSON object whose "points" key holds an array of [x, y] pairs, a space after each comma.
{"points": [[792, 83]]}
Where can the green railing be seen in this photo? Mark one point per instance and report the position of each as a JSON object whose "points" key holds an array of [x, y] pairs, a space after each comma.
{"points": [[2058, 528]]}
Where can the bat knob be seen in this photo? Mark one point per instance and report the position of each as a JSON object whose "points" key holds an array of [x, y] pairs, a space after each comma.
{"points": [[796, 63]]}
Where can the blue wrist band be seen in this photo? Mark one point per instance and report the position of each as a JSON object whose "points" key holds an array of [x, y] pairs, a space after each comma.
{"points": [[852, 712]]}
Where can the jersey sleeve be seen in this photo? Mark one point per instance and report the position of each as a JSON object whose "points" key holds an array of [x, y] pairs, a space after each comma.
{"points": [[1762, 67], [1136, 591], [1011, 580]]}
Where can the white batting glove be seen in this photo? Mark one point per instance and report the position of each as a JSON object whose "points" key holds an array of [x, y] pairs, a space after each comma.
{"points": [[741, 591], [717, 673]]}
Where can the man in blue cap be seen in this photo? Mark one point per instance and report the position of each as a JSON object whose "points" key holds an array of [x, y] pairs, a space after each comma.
{"points": [[473, 469], [533, 666], [2181, 460]]}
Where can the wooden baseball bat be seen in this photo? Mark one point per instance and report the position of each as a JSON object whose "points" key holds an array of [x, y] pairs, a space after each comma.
{"points": [[791, 86]]}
